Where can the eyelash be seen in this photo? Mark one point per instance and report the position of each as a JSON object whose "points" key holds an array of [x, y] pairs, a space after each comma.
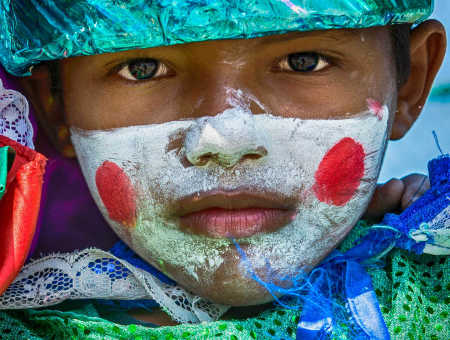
{"points": [[123, 71], [162, 70], [284, 66]]}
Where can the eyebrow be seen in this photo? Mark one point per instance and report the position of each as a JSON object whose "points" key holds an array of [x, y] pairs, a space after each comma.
{"points": [[333, 35]]}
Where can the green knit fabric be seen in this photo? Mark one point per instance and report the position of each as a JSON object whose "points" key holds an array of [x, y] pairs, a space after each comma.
{"points": [[413, 292]]}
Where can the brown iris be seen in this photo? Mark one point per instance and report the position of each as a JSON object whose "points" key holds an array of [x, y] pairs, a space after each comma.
{"points": [[303, 62], [143, 69]]}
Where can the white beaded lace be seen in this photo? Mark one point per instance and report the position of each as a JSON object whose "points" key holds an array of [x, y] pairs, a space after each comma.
{"points": [[96, 274], [14, 120]]}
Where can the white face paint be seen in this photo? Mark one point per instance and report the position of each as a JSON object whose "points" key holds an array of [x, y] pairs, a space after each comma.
{"points": [[328, 167]]}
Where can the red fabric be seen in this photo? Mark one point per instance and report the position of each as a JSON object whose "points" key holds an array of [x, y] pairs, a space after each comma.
{"points": [[19, 209]]}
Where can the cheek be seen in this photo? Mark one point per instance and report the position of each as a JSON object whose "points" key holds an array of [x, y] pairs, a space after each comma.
{"points": [[117, 193], [339, 174]]}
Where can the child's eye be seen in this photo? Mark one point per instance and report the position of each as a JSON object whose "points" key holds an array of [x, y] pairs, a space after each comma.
{"points": [[143, 69], [303, 62]]}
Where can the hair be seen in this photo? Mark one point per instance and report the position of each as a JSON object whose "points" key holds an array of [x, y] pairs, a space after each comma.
{"points": [[400, 38]]}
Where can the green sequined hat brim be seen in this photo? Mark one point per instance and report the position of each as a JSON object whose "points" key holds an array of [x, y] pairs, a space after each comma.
{"points": [[33, 31]]}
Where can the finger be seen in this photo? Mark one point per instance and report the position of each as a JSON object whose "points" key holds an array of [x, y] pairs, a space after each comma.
{"points": [[415, 186], [387, 198]]}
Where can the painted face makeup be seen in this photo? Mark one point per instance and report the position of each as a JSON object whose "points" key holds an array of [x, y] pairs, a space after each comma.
{"points": [[288, 190]]}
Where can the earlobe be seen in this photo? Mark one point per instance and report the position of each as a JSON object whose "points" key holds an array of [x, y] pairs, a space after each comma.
{"points": [[402, 121], [428, 44], [48, 107], [64, 143]]}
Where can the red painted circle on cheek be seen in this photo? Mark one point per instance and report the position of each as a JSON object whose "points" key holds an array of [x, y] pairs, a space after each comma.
{"points": [[340, 172], [117, 193]]}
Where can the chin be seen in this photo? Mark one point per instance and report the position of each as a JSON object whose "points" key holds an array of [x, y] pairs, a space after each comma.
{"points": [[251, 295], [231, 284], [227, 289]]}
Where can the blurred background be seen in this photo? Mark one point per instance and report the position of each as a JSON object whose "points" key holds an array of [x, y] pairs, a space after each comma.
{"points": [[412, 153]]}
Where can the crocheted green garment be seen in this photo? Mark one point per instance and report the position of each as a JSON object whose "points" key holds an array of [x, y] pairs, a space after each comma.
{"points": [[413, 292]]}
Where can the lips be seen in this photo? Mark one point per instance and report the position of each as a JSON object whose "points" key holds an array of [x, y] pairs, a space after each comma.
{"points": [[234, 214]]}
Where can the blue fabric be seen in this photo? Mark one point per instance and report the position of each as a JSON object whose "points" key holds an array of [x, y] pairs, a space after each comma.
{"points": [[340, 277], [425, 209], [126, 305]]}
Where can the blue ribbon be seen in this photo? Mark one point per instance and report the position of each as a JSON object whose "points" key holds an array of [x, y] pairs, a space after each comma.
{"points": [[341, 275]]}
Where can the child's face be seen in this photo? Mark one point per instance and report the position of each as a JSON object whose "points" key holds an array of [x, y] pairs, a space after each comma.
{"points": [[285, 163]]}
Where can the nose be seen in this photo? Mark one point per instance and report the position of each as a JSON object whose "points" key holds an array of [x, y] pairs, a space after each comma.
{"points": [[225, 139]]}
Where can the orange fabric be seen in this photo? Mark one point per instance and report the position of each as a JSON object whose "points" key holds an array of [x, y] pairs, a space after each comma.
{"points": [[19, 209]]}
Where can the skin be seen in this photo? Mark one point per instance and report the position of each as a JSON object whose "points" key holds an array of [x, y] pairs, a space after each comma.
{"points": [[294, 151], [205, 70], [95, 95], [396, 195]]}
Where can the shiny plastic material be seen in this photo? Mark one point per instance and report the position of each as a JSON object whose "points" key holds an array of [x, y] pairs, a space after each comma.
{"points": [[33, 31], [3, 169]]}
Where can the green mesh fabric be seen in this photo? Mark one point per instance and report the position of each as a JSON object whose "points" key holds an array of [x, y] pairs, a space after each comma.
{"points": [[413, 292], [53, 324]]}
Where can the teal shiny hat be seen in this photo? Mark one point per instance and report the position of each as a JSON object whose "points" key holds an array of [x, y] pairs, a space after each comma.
{"points": [[32, 31]]}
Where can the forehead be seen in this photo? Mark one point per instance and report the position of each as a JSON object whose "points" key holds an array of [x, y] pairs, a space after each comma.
{"points": [[351, 40], [332, 34], [199, 74]]}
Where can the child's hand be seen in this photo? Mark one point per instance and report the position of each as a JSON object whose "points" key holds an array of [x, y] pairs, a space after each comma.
{"points": [[396, 195]]}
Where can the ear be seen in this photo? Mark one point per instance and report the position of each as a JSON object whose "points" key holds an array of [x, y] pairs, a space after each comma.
{"points": [[46, 99], [427, 50]]}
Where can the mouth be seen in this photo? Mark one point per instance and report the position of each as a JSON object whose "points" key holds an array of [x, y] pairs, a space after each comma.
{"points": [[234, 214]]}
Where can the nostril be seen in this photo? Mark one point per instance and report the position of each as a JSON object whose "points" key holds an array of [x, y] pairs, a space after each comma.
{"points": [[258, 153], [253, 156], [228, 159], [202, 160]]}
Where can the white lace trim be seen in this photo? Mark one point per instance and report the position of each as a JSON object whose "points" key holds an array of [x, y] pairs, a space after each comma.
{"points": [[14, 120], [94, 273]]}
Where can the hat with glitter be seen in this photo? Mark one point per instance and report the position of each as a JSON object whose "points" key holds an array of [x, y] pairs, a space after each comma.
{"points": [[35, 31]]}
